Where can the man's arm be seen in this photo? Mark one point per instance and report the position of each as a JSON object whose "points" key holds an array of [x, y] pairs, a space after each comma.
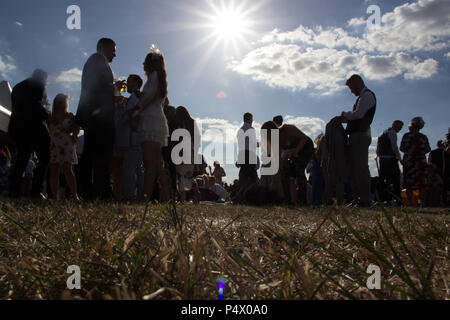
{"points": [[37, 109], [366, 101], [378, 147], [393, 138]]}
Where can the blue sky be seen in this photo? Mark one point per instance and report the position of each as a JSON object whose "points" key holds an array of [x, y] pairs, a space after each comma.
{"points": [[292, 59]]}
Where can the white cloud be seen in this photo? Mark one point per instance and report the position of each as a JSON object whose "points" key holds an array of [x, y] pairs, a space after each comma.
{"points": [[217, 130], [70, 76], [357, 22], [6, 66], [448, 55], [418, 26], [324, 70], [312, 127], [320, 59]]}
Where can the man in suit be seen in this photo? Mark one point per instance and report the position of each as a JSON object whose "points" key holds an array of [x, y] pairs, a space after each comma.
{"points": [[28, 128], [95, 115], [360, 137]]}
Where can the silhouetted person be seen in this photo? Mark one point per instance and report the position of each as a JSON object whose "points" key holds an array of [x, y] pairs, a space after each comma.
{"points": [[95, 115], [247, 159], [389, 155], [278, 120], [358, 129], [29, 130], [127, 143], [297, 148], [218, 172], [415, 146], [437, 158]]}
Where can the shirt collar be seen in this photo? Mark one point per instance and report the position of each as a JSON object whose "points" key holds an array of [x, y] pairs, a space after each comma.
{"points": [[106, 59], [363, 90]]}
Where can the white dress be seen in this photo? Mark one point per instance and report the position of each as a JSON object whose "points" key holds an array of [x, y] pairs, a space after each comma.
{"points": [[152, 121]]}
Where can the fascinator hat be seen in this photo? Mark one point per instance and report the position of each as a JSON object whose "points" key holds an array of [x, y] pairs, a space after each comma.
{"points": [[154, 57], [417, 123]]}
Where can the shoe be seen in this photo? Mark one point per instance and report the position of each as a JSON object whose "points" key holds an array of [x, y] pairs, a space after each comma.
{"points": [[352, 204], [39, 197]]}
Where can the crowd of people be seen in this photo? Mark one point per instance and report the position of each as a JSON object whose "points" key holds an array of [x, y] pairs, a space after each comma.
{"points": [[125, 151]]}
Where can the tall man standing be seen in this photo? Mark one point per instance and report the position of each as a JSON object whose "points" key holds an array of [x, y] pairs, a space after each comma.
{"points": [[95, 115], [247, 159], [28, 129], [358, 129], [389, 155]]}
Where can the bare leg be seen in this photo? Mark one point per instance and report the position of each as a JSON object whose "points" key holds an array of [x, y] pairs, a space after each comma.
{"points": [[164, 195], [54, 180], [70, 178], [149, 154]]}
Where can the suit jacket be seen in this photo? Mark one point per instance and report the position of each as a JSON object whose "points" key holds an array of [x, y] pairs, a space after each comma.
{"points": [[96, 107], [28, 111]]}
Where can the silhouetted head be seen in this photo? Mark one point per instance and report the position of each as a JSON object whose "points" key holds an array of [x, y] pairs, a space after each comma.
{"points": [[397, 125], [355, 84], [416, 124], [155, 62], [107, 47], [278, 120], [134, 83], [40, 76], [268, 126], [440, 144], [184, 120], [248, 118], [211, 181], [60, 106]]}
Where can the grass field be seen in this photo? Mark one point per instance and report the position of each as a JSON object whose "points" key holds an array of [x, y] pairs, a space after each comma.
{"points": [[168, 252]]}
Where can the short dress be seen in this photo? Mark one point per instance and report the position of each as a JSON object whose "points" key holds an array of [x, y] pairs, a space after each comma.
{"points": [[414, 146], [152, 121], [62, 146]]}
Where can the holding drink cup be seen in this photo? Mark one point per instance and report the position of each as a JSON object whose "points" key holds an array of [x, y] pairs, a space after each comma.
{"points": [[119, 88]]}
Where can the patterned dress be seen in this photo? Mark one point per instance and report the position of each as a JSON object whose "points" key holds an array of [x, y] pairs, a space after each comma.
{"points": [[415, 146], [62, 145]]}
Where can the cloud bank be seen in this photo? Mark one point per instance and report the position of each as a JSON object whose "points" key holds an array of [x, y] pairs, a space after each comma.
{"points": [[320, 59]]}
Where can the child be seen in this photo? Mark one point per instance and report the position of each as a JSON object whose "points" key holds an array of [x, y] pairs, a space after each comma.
{"points": [[63, 134]]}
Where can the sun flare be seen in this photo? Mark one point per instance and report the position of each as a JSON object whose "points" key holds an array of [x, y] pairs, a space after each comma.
{"points": [[230, 24]]}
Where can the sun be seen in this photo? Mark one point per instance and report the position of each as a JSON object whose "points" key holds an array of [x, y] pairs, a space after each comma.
{"points": [[227, 24], [230, 24]]}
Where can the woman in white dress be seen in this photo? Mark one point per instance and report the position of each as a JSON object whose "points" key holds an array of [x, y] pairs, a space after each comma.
{"points": [[152, 123]]}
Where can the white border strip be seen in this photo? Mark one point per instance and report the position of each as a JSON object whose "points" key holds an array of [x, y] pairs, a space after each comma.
{"points": [[5, 111]]}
